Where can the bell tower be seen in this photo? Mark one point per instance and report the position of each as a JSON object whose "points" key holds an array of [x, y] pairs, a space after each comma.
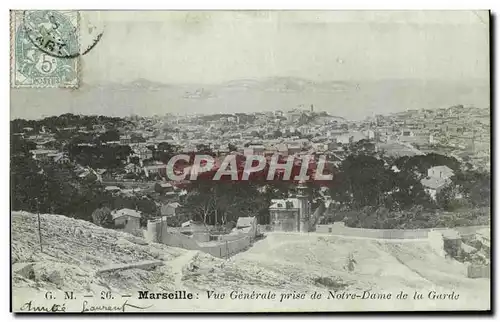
{"points": [[303, 218]]}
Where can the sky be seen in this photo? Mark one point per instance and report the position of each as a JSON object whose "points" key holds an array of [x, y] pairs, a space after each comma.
{"points": [[212, 47]]}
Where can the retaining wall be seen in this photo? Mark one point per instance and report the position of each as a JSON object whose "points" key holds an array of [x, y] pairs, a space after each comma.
{"points": [[157, 232], [478, 271], [392, 233], [179, 240], [226, 248], [436, 242], [231, 237], [373, 233]]}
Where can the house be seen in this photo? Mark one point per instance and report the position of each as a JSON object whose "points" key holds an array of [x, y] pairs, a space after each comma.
{"points": [[415, 138], [106, 175], [61, 158], [125, 139], [292, 214], [247, 225], [371, 135], [257, 149], [441, 171], [45, 144], [99, 128], [128, 218], [132, 168], [160, 169], [163, 187], [294, 148], [143, 153], [88, 174], [407, 133], [247, 151], [434, 185], [193, 227], [42, 154], [438, 177], [285, 214], [293, 116], [169, 210], [112, 188]]}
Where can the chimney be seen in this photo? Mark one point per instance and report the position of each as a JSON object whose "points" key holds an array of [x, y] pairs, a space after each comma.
{"points": [[312, 108]]}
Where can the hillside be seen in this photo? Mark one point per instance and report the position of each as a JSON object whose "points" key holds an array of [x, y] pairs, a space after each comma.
{"points": [[74, 249], [282, 262]]}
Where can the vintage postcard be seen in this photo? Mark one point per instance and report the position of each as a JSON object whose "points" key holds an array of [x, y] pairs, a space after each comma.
{"points": [[250, 161]]}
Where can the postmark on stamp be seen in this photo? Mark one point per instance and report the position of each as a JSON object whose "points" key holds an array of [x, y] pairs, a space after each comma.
{"points": [[44, 44]]}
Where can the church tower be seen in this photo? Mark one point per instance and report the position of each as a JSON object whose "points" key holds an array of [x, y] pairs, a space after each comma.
{"points": [[304, 214]]}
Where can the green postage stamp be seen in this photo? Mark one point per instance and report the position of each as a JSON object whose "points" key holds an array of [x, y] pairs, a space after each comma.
{"points": [[44, 48]]}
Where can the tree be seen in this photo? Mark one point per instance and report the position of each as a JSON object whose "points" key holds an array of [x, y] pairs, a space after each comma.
{"points": [[406, 191], [474, 186], [102, 217], [110, 136], [363, 181], [219, 202], [165, 152], [232, 147], [21, 147], [200, 203], [135, 160], [421, 163], [26, 183], [137, 138], [362, 147], [277, 134]]}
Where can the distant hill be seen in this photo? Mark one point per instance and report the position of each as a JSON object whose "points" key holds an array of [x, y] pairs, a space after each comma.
{"points": [[286, 85], [352, 100]]}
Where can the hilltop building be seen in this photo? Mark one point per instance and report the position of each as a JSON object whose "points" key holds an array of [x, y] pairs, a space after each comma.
{"points": [[291, 214]]}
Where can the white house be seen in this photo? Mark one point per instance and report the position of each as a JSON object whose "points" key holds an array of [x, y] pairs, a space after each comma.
{"points": [[128, 218], [169, 210], [438, 177], [441, 171]]}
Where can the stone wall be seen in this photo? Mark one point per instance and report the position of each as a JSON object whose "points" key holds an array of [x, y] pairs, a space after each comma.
{"points": [[436, 242], [478, 271], [226, 248], [339, 229], [373, 233], [157, 232]]}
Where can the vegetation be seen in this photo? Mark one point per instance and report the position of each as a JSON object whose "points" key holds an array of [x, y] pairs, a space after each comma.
{"points": [[368, 189], [64, 123], [102, 217]]}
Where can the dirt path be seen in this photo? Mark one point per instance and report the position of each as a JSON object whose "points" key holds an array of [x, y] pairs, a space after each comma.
{"points": [[178, 264]]}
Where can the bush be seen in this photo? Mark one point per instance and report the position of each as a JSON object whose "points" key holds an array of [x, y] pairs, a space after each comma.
{"points": [[102, 217]]}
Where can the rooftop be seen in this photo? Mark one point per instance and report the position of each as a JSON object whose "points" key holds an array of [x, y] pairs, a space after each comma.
{"points": [[433, 183], [245, 222], [125, 212]]}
